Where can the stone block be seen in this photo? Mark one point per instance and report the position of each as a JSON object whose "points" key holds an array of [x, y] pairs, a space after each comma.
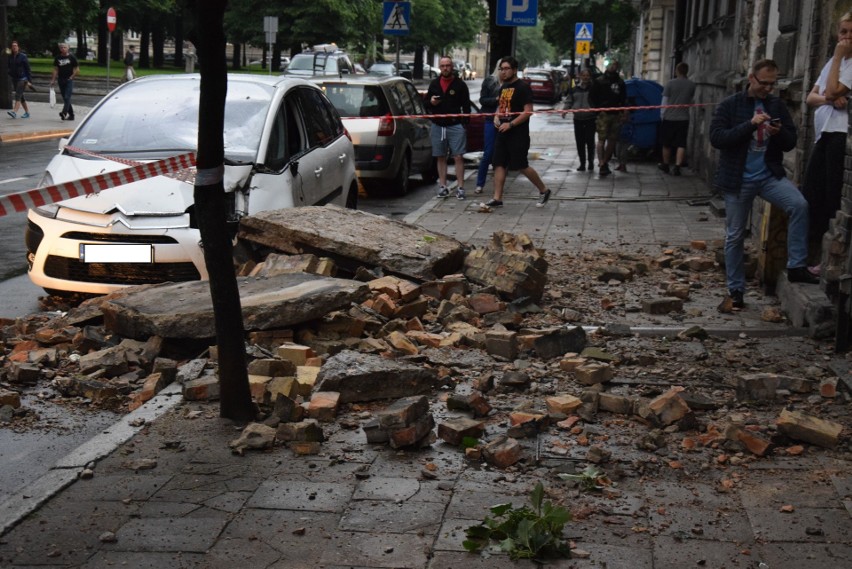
{"points": [[24, 373], [9, 397], [417, 308], [502, 452], [484, 303], [295, 353], [809, 429], [375, 433], [678, 290], [757, 387], [285, 386], [618, 404], [308, 430], [202, 389], [323, 406], [565, 404], [669, 407], [557, 342], [272, 367], [305, 448], [571, 363], [287, 410], [502, 343], [306, 379], [425, 338], [593, 373], [454, 431], [403, 412], [614, 273], [395, 287], [401, 343], [662, 305], [257, 386], [412, 434]]}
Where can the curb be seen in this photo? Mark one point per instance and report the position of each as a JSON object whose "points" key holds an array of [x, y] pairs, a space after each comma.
{"points": [[31, 136], [67, 469]]}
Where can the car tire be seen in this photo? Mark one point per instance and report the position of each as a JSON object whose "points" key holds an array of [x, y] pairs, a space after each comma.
{"points": [[400, 183], [352, 197]]}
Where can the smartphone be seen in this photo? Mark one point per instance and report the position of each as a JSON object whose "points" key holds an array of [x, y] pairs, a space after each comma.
{"points": [[775, 122]]}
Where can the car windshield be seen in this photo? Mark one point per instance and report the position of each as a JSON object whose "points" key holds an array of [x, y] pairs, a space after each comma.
{"points": [[357, 100], [387, 68], [153, 119]]}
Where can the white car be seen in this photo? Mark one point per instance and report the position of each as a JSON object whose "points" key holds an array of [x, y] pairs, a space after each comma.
{"points": [[285, 146]]}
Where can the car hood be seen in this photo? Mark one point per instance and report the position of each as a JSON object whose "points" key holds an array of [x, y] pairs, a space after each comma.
{"points": [[156, 196]]}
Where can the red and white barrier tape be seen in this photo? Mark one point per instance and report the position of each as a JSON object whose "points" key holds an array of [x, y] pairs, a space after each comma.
{"points": [[38, 197]]}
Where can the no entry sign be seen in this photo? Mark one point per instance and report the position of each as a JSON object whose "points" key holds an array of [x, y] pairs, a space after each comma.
{"points": [[111, 19]]}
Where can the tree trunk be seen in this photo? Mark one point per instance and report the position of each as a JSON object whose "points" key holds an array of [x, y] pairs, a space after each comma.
{"points": [[143, 61], [235, 402], [179, 40], [501, 37]]}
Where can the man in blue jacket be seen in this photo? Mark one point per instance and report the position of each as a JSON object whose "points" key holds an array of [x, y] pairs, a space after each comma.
{"points": [[753, 129]]}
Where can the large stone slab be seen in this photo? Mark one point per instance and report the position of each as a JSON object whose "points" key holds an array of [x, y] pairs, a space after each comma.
{"points": [[185, 310], [369, 377], [355, 238]]}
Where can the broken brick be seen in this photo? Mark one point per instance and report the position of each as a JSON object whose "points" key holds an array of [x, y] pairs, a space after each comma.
{"points": [[454, 431], [592, 373], [565, 404], [502, 452], [809, 429], [669, 407]]}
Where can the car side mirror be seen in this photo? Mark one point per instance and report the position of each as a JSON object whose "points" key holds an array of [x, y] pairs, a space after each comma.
{"points": [[63, 142]]}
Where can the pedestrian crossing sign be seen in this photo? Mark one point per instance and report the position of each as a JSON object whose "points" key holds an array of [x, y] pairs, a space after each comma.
{"points": [[583, 47], [397, 18], [583, 31]]}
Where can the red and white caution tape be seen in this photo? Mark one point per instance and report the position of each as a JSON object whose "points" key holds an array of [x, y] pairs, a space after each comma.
{"points": [[23, 201]]}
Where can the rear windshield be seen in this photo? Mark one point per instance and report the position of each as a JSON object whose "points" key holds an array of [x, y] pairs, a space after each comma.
{"points": [[537, 76], [357, 100]]}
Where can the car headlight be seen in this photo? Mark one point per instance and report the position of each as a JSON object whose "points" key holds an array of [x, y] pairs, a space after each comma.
{"points": [[48, 210]]}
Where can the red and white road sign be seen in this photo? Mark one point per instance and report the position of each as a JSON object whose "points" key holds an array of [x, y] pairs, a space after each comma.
{"points": [[111, 19]]}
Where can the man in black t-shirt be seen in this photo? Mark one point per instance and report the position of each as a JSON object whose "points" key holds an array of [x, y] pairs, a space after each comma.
{"points": [[608, 92], [65, 68], [514, 109]]}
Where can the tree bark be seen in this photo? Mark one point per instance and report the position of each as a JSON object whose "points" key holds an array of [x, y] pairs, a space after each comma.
{"points": [[235, 402]]}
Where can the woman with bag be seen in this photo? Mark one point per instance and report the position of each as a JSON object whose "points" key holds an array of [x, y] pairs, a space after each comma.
{"points": [[129, 60], [65, 68]]}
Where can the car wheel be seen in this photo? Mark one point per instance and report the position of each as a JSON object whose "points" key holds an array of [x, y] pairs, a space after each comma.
{"points": [[352, 197], [400, 183]]}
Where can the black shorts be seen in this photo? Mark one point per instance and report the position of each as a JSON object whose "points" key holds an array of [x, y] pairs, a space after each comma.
{"points": [[673, 134], [511, 149]]}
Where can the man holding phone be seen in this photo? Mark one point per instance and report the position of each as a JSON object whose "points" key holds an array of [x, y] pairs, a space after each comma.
{"points": [[753, 129], [449, 97]]}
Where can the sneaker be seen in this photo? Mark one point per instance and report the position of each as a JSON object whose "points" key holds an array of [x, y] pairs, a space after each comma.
{"points": [[477, 190], [663, 167], [25, 116], [494, 203], [70, 117], [582, 168], [460, 194], [444, 192], [605, 171], [12, 114], [801, 275], [675, 170], [542, 198], [62, 115], [737, 300]]}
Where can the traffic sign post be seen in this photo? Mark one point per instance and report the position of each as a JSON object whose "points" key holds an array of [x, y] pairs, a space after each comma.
{"points": [[111, 21], [583, 47], [396, 18], [517, 13], [270, 29]]}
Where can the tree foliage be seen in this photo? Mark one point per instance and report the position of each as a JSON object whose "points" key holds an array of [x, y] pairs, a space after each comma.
{"points": [[532, 49], [38, 25], [563, 14]]}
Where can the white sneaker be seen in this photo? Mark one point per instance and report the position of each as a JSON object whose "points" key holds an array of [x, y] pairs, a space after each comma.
{"points": [[460, 194], [444, 192], [477, 190]]}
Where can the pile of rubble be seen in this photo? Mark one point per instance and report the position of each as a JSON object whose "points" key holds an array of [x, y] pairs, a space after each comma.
{"points": [[519, 358]]}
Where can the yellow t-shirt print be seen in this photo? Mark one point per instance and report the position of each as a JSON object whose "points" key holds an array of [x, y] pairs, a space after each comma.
{"points": [[504, 105]]}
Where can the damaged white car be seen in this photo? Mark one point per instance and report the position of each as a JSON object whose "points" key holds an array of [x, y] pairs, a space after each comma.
{"points": [[285, 146]]}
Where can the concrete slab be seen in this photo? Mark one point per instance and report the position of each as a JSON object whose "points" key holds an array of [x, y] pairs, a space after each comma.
{"points": [[281, 494]]}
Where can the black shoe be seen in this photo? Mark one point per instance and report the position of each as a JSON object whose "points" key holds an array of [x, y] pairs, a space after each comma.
{"points": [[62, 115], [582, 168], [675, 170], [801, 275], [663, 167], [542, 199], [605, 171], [737, 300], [70, 117], [494, 203]]}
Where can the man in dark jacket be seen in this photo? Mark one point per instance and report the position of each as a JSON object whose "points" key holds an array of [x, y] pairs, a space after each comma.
{"points": [[448, 95], [608, 91], [753, 129]]}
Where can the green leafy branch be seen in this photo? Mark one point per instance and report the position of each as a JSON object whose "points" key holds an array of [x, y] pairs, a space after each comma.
{"points": [[523, 533], [591, 479]]}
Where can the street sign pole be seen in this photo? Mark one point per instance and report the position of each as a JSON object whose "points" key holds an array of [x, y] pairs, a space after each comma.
{"points": [[270, 28], [111, 20]]}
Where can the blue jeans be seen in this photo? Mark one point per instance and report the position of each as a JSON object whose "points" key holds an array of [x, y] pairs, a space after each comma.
{"points": [[66, 89], [489, 134], [780, 193]]}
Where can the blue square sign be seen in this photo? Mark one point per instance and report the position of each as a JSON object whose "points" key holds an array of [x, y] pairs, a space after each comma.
{"points": [[517, 13], [584, 31], [396, 18]]}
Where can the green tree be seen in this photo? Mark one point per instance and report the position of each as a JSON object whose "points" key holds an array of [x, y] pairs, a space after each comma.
{"points": [[38, 25], [563, 14], [532, 49]]}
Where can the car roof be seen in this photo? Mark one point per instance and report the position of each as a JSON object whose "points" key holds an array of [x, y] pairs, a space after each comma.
{"points": [[362, 79], [262, 79]]}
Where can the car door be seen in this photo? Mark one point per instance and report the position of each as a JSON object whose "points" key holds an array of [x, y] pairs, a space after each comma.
{"points": [[324, 171], [421, 144]]}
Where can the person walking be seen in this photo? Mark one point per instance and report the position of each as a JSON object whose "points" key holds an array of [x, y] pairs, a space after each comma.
{"points": [[674, 129], [823, 185], [608, 91], [752, 129], [448, 97], [512, 121], [21, 75], [129, 61], [488, 94], [65, 69], [584, 121]]}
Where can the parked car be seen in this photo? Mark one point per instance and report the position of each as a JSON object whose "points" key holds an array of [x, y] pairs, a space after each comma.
{"points": [[285, 146], [462, 69], [383, 68], [320, 61], [387, 148], [545, 85], [470, 73]]}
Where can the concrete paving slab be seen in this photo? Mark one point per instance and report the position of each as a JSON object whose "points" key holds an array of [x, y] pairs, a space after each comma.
{"points": [[392, 517], [393, 551], [820, 525], [672, 553], [301, 535], [805, 555], [147, 560], [192, 535], [280, 494]]}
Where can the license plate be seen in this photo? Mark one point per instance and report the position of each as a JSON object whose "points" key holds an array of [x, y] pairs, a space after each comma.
{"points": [[116, 253], [537, 84]]}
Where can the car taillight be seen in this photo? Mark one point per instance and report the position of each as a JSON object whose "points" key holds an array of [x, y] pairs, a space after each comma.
{"points": [[387, 125]]}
